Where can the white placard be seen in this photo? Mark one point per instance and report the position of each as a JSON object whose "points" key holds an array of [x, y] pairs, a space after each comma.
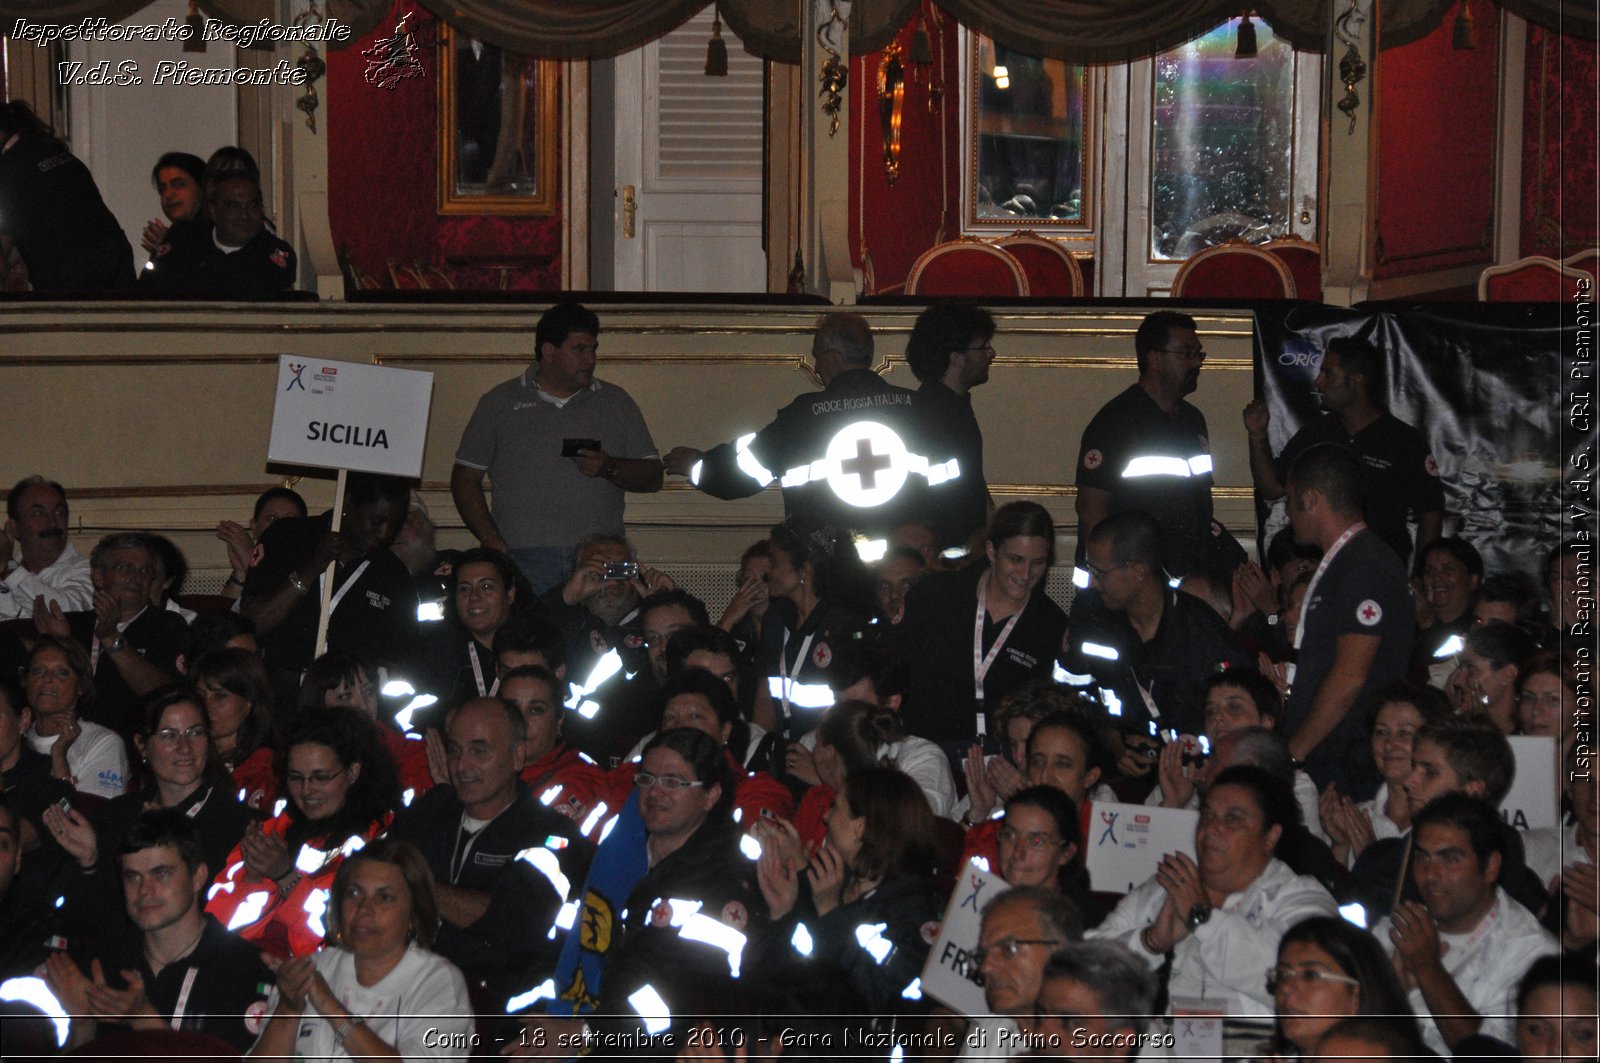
{"points": [[948, 975], [1197, 1030], [348, 415], [1126, 842], [1532, 801]]}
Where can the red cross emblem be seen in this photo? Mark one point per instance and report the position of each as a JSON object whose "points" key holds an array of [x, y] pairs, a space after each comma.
{"points": [[866, 464], [1093, 459], [279, 259], [822, 656], [1431, 465], [1369, 613]]}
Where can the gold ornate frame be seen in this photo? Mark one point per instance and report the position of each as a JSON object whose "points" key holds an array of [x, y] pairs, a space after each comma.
{"points": [[972, 221], [539, 85]]}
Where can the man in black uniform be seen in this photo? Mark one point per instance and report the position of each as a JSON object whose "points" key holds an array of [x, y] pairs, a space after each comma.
{"points": [[175, 967], [1356, 626], [1150, 645], [235, 254], [854, 456], [502, 862], [1148, 449], [51, 210], [950, 350], [374, 612], [1402, 477]]}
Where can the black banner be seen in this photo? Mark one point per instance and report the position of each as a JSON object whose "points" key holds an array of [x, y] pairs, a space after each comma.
{"points": [[1502, 392]]}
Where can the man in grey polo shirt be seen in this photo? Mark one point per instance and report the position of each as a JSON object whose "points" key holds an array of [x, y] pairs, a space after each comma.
{"points": [[545, 500]]}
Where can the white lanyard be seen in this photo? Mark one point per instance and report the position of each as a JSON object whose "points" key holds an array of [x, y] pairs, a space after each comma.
{"points": [[477, 673], [465, 854], [799, 663], [1327, 559], [344, 588], [982, 662], [183, 997]]}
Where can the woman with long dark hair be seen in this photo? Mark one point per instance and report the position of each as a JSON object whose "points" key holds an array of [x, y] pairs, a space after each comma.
{"points": [[342, 794], [237, 695], [816, 586], [1328, 970], [458, 655]]}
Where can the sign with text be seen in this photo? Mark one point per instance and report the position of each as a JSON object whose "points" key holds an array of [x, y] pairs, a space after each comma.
{"points": [[949, 974], [1126, 842], [1534, 799], [347, 415]]}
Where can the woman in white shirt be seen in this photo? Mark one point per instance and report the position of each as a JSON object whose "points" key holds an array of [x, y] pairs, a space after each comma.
{"points": [[376, 990], [59, 684]]}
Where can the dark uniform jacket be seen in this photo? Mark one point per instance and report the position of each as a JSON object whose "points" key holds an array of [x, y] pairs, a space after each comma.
{"points": [[190, 261]]}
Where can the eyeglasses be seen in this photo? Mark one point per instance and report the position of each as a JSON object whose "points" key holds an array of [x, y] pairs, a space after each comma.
{"points": [[1307, 976], [169, 736], [1007, 948], [1030, 839], [644, 780], [1528, 699], [1101, 573], [1193, 354], [981, 348], [128, 568], [316, 778]]}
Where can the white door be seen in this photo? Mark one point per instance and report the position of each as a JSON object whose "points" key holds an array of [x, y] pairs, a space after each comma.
{"points": [[688, 152]]}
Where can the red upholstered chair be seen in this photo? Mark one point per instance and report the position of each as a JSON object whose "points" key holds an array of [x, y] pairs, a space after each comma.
{"points": [[1233, 271], [1051, 269], [1304, 260], [1587, 260], [1535, 279], [966, 267]]}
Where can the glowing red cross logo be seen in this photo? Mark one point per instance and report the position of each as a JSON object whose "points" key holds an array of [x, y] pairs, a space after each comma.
{"points": [[1368, 612], [867, 464]]}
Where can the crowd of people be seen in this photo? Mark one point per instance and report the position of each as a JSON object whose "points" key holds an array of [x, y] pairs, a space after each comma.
{"points": [[585, 813], [58, 235]]}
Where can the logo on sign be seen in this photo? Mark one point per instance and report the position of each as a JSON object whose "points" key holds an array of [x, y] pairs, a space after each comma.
{"points": [[298, 369]]}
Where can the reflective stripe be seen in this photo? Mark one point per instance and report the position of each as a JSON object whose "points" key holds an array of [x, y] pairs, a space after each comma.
{"points": [[609, 664], [870, 937], [747, 462], [800, 695], [545, 990], [545, 862], [1450, 647], [1200, 465], [801, 940], [716, 933], [652, 1010], [1109, 699], [1080, 578], [1156, 465], [871, 551], [695, 472], [1071, 679], [1094, 649]]}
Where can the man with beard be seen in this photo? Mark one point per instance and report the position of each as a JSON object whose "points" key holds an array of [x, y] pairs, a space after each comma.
{"points": [[49, 567], [1402, 479], [1148, 449]]}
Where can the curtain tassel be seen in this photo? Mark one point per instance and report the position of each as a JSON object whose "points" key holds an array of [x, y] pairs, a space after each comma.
{"points": [[716, 49], [1466, 35], [195, 41], [921, 45], [1247, 39]]}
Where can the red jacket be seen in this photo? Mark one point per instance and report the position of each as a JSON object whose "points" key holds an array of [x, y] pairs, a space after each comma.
{"points": [[811, 818], [287, 925], [257, 781], [410, 759], [577, 781]]}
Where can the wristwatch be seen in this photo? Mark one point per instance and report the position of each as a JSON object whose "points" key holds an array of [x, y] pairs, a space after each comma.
{"points": [[610, 471], [1197, 916], [113, 644]]}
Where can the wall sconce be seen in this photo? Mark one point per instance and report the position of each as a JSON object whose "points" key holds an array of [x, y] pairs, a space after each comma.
{"points": [[891, 105]]}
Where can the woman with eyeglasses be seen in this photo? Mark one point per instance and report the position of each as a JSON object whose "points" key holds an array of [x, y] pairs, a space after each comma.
{"points": [[342, 794], [1547, 690], [1489, 671], [1040, 839], [58, 680], [1328, 970], [677, 896], [1221, 913], [867, 891], [237, 695], [176, 772]]}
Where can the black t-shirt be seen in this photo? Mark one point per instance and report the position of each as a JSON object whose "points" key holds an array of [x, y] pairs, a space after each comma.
{"points": [[220, 988], [964, 503], [936, 639], [375, 617], [1158, 463], [805, 653], [190, 260], [1402, 479], [512, 935], [1364, 591], [1191, 644], [158, 635]]}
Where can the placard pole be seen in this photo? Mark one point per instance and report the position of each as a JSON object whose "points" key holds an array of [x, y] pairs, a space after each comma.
{"points": [[327, 577]]}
